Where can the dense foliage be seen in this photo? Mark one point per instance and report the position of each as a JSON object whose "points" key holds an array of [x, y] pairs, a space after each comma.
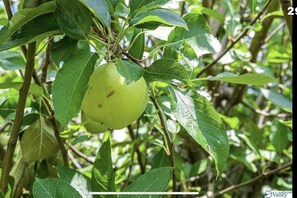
{"points": [[219, 114]]}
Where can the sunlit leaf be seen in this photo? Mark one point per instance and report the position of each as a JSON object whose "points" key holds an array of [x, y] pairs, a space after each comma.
{"points": [[71, 83], [202, 123], [53, 187], [166, 70], [245, 79]]}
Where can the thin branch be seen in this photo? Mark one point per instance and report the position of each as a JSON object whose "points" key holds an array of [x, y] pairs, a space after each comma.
{"points": [[278, 28], [2, 152], [259, 37], [7, 162], [262, 113], [74, 161], [59, 140], [235, 41], [129, 170], [168, 140], [252, 180], [7, 8], [135, 60], [285, 4], [46, 62], [183, 8], [80, 154], [136, 147]]}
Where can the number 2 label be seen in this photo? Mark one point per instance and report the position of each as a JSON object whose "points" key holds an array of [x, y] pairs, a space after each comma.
{"points": [[291, 11]]}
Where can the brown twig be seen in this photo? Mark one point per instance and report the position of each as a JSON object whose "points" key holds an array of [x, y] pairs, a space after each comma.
{"points": [[136, 147], [80, 154], [285, 4], [7, 8], [76, 164], [7, 162], [230, 188], [168, 141], [2, 152], [273, 32], [59, 140], [263, 113], [234, 41], [135, 60], [46, 62]]}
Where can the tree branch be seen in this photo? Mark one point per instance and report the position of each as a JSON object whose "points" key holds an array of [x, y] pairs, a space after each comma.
{"points": [[46, 62], [80, 154], [259, 38], [235, 41], [272, 33], [7, 8], [288, 18], [168, 140], [2, 152], [252, 180], [7, 162]]}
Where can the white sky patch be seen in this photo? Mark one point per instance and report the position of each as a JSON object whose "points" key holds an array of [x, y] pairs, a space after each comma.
{"points": [[161, 32]]}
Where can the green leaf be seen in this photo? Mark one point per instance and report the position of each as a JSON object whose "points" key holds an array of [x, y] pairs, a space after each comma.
{"points": [[100, 9], [166, 70], [288, 123], [77, 180], [11, 60], [37, 29], [155, 180], [210, 12], [160, 159], [233, 122], [279, 136], [137, 48], [8, 106], [240, 154], [71, 83], [198, 37], [63, 49], [245, 79], [38, 141], [52, 187], [250, 143], [24, 16], [34, 88], [273, 14], [162, 16], [129, 70], [137, 6], [103, 178], [278, 99], [74, 18], [202, 123]]}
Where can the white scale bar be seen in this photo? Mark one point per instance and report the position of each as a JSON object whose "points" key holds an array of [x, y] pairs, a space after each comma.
{"points": [[143, 193]]}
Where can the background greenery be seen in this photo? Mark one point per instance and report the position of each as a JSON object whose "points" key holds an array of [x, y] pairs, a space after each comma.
{"points": [[219, 118]]}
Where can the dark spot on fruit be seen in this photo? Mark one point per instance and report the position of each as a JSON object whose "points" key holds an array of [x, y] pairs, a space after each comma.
{"points": [[110, 94], [99, 105]]}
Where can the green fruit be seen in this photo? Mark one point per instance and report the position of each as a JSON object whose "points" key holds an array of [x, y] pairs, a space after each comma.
{"points": [[91, 125], [109, 100]]}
